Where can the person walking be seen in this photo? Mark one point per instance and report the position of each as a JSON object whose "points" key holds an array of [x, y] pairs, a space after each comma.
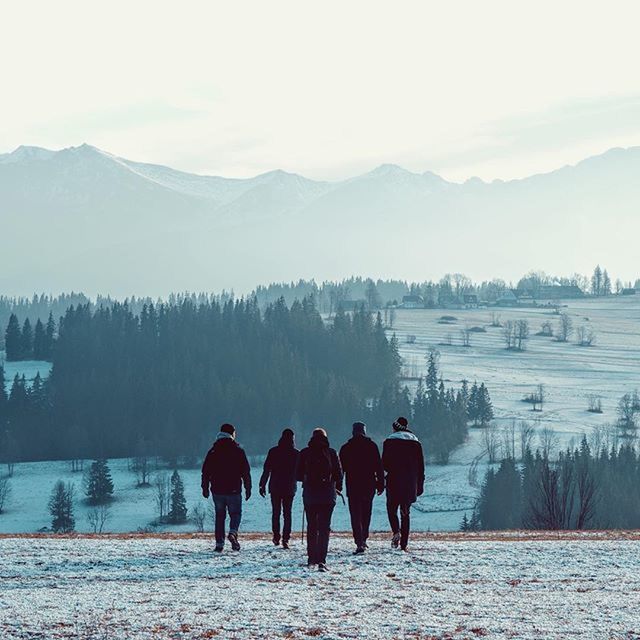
{"points": [[320, 472], [280, 472], [362, 466], [403, 462], [224, 471]]}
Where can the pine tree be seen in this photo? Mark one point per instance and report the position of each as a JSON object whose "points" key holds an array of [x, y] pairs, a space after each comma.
{"points": [[4, 401], [13, 339], [27, 340], [39, 341], [50, 336], [99, 488], [177, 502], [464, 525], [61, 507], [485, 407]]}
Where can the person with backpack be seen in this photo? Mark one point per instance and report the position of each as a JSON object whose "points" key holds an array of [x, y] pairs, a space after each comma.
{"points": [[224, 471], [320, 472], [280, 472], [362, 466], [403, 462]]}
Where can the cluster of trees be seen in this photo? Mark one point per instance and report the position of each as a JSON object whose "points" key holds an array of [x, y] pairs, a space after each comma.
{"points": [[98, 486], [439, 416], [165, 378], [578, 490], [28, 342]]}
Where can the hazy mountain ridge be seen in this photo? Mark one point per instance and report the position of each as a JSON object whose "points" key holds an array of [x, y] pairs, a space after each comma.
{"points": [[156, 228]]}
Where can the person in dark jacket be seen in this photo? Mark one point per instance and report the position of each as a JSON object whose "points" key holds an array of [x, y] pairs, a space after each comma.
{"points": [[280, 472], [224, 471], [362, 466], [403, 461], [320, 472]]}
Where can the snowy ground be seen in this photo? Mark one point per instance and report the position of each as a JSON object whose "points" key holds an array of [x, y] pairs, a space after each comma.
{"points": [[134, 508], [28, 368], [584, 587]]}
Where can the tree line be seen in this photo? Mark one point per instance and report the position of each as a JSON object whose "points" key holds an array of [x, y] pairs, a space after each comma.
{"points": [[581, 489], [162, 380]]}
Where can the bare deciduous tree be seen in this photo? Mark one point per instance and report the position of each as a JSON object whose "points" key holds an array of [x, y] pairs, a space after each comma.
{"points": [[162, 485], [627, 416], [491, 441], [586, 336], [548, 440], [465, 335], [526, 432], [198, 517], [5, 493], [509, 441], [565, 328], [594, 403], [98, 517]]}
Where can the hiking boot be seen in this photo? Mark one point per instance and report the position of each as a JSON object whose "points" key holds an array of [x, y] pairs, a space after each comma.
{"points": [[285, 544], [323, 567], [359, 551], [233, 539], [276, 539], [219, 547], [395, 540]]}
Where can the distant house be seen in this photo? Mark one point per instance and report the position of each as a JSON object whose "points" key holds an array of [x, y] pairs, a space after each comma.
{"points": [[470, 299], [628, 291], [508, 298], [558, 292], [412, 302]]}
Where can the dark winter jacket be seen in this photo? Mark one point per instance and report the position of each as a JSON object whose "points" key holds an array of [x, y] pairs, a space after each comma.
{"points": [[226, 467], [280, 470], [362, 466], [320, 472], [403, 461]]}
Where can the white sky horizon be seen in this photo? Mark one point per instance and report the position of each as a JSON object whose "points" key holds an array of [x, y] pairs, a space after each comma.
{"points": [[498, 90]]}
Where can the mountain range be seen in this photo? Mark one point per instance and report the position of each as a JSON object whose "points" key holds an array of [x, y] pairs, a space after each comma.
{"points": [[84, 219]]}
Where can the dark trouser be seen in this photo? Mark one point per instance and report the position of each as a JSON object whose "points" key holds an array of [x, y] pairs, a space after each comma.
{"points": [[360, 510], [233, 504], [281, 504], [318, 529], [403, 526]]}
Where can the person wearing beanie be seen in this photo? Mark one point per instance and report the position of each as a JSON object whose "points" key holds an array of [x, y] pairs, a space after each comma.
{"points": [[320, 472], [279, 472], [224, 471], [362, 466], [403, 462]]}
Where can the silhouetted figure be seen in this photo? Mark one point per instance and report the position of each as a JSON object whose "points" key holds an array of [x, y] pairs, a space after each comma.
{"points": [[280, 472], [403, 461], [362, 466], [320, 472], [224, 471]]}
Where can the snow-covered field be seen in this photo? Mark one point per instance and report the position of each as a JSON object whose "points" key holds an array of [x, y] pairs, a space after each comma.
{"points": [[28, 368], [134, 508], [569, 372], [585, 587]]}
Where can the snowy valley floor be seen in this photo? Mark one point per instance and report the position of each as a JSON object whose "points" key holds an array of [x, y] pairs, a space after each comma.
{"points": [[450, 586]]}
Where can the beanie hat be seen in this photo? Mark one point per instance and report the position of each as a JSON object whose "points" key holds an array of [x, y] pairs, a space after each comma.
{"points": [[400, 424], [359, 428]]}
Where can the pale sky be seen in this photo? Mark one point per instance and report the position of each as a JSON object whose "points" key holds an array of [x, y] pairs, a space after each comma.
{"points": [[326, 89]]}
